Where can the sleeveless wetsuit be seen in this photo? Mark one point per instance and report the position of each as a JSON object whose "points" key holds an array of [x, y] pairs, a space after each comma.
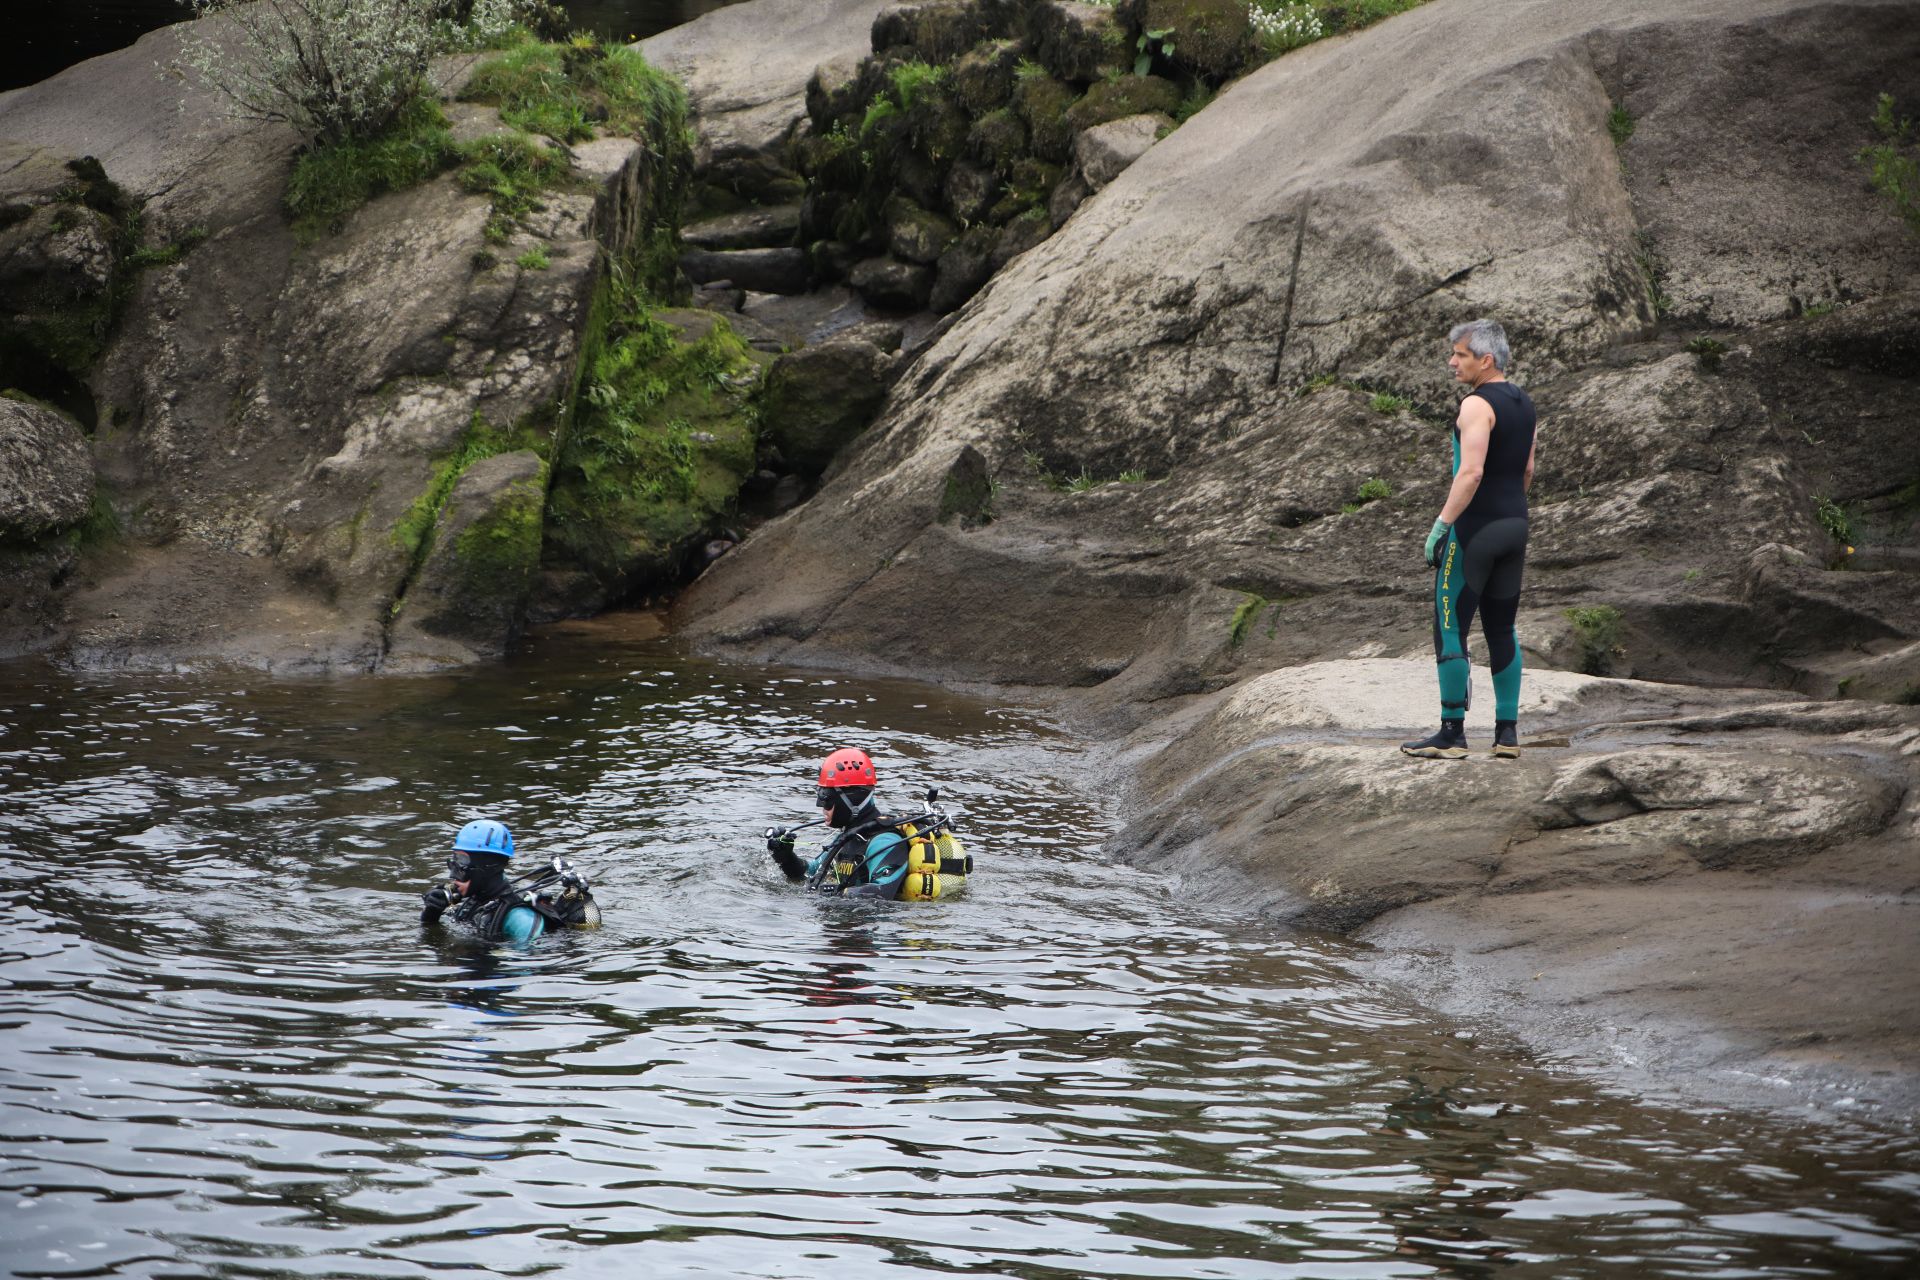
{"points": [[1483, 558]]}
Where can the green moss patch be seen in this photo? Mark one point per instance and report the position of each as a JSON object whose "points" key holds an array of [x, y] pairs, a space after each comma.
{"points": [[1043, 103], [499, 554], [1127, 96], [662, 436], [414, 533]]}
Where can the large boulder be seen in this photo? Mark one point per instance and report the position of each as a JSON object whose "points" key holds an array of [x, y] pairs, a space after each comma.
{"points": [[654, 459], [1657, 855], [64, 229], [1213, 37], [469, 597], [1102, 152], [46, 471], [818, 399], [1080, 42]]}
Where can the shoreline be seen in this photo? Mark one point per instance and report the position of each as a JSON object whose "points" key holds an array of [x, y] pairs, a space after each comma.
{"points": [[1777, 991]]}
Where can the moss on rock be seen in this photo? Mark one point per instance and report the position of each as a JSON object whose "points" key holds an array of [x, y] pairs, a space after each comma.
{"points": [[917, 234], [1126, 96], [939, 126], [662, 436], [998, 140], [1211, 37], [983, 76], [1044, 104], [64, 243], [499, 553]]}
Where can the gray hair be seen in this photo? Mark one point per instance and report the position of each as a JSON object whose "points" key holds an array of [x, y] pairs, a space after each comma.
{"points": [[1484, 338]]}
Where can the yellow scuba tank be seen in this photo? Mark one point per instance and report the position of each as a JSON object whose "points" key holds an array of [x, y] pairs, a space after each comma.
{"points": [[936, 866]]}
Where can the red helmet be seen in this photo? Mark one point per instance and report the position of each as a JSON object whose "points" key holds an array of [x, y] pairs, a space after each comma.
{"points": [[847, 767]]}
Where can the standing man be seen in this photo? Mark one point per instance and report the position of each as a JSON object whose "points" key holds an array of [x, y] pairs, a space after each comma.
{"points": [[1478, 546]]}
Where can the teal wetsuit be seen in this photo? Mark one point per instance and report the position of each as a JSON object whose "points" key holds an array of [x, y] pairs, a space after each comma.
{"points": [[1482, 561]]}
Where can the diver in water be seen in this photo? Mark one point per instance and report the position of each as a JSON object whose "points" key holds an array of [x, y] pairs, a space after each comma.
{"points": [[480, 895], [874, 854]]}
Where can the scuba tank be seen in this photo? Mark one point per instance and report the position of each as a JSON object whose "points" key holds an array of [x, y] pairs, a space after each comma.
{"points": [[937, 867]]}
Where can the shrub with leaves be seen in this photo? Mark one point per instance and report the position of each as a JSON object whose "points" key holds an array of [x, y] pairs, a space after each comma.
{"points": [[1892, 164], [335, 70]]}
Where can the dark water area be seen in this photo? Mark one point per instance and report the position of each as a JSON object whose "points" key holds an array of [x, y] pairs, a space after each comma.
{"points": [[227, 1048], [47, 36]]}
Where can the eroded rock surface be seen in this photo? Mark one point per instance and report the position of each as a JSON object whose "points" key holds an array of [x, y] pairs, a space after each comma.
{"points": [[1670, 858], [1208, 418], [46, 472]]}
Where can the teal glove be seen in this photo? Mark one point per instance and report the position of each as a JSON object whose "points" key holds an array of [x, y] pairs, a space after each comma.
{"points": [[1439, 535]]}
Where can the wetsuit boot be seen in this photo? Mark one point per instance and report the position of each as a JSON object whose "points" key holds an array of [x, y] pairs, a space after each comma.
{"points": [[1448, 744], [1506, 740]]}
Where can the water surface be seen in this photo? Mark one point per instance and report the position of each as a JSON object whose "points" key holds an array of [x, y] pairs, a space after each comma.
{"points": [[230, 1050]]}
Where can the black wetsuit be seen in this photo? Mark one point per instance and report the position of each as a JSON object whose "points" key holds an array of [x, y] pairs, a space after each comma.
{"points": [[1483, 559], [490, 898], [845, 866]]}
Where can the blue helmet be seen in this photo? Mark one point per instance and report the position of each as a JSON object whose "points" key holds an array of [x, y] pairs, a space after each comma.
{"points": [[484, 835]]}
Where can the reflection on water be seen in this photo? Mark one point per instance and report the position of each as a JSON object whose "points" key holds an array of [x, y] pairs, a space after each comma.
{"points": [[229, 1050]]}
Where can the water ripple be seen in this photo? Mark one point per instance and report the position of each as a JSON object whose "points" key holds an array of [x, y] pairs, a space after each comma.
{"points": [[230, 1051]]}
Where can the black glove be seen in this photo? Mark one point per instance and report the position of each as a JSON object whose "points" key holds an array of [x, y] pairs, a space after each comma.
{"points": [[780, 845], [433, 902]]}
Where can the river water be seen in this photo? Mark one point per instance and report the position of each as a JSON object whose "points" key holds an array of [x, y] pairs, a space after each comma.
{"points": [[230, 1050]]}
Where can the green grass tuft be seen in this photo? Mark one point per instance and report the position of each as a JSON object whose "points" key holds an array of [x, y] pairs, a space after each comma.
{"points": [[1620, 125], [569, 92], [1387, 402], [166, 255], [534, 259], [1709, 352], [330, 182]]}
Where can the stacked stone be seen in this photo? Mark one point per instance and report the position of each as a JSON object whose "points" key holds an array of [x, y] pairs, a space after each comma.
{"points": [[976, 127]]}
